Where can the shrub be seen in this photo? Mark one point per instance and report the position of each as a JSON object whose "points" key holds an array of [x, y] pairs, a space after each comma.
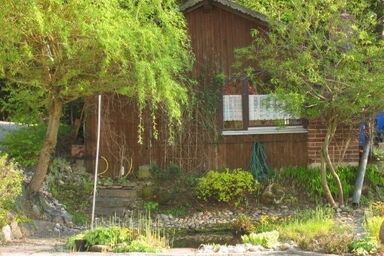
{"points": [[24, 145], [374, 175], [110, 236], [363, 246], [11, 180], [230, 186], [265, 239], [143, 244], [309, 180], [242, 225], [72, 188]]}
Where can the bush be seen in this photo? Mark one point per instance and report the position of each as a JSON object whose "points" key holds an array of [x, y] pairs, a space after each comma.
{"points": [[24, 145], [363, 246], [11, 180], [242, 225], [143, 244], [72, 188], [229, 186], [309, 180], [265, 239], [110, 236]]}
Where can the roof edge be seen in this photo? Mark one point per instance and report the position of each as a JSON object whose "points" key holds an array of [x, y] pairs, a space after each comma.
{"points": [[194, 4]]}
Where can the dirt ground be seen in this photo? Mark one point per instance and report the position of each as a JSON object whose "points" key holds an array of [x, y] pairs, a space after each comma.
{"points": [[54, 246]]}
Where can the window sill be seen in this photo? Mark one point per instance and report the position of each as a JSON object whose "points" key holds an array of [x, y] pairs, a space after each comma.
{"points": [[266, 130]]}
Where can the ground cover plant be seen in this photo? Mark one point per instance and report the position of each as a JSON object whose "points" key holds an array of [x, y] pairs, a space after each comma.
{"points": [[314, 230], [71, 187], [140, 235]]}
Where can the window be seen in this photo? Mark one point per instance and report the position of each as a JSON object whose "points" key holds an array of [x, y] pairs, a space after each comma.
{"points": [[246, 112]]}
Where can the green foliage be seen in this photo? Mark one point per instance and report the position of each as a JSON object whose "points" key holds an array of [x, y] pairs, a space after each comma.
{"points": [[143, 244], [130, 235], [72, 188], [309, 180], [172, 171], [151, 206], [265, 239], [363, 246], [11, 181], [139, 49], [24, 144], [312, 229], [374, 175], [110, 236], [372, 225], [229, 186]]}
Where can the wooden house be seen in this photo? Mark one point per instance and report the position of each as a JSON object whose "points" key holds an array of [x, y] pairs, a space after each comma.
{"points": [[216, 29]]}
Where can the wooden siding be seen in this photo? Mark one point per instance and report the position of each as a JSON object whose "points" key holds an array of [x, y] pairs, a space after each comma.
{"points": [[215, 34]]}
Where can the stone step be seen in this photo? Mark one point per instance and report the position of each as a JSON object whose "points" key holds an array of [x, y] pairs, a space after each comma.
{"points": [[111, 211], [114, 203], [117, 193]]}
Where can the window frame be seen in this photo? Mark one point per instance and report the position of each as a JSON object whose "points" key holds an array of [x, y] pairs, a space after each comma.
{"points": [[246, 129]]}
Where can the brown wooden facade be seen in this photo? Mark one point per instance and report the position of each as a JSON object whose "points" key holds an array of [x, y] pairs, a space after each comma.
{"points": [[216, 30]]}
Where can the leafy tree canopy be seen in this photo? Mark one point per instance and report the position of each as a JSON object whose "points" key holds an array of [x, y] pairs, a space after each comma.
{"points": [[55, 51], [324, 59], [69, 49]]}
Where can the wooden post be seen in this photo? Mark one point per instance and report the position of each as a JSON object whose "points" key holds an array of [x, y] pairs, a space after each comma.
{"points": [[245, 103]]}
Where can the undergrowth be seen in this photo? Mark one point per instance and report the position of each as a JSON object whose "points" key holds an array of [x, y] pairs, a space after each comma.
{"points": [[128, 235], [72, 188]]}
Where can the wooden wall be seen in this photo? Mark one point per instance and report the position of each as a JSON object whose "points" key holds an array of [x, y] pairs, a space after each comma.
{"points": [[215, 34]]}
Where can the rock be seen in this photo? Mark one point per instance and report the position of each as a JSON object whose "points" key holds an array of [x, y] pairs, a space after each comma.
{"points": [[7, 233], [144, 172], [36, 211], [16, 231]]}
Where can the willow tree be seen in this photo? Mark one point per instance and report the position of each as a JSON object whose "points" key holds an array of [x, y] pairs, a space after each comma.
{"points": [[62, 50], [324, 60]]}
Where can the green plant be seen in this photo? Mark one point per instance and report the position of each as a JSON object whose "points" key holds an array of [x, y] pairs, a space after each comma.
{"points": [[372, 226], [11, 181], [24, 144], [172, 171], [309, 180], [374, 175], [242, 225], [136, 233], [72, 188], [363, 246], [265, 239], [377, 208], [110, 236], [143, 244], [151, 206], [230, 186]]}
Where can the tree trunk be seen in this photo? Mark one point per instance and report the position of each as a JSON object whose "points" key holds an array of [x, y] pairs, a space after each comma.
{"points": [[54, 114], [331, 130], [324, 183]]}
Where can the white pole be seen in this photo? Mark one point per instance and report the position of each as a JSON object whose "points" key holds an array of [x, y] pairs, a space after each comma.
{"points": [[96, 162]]}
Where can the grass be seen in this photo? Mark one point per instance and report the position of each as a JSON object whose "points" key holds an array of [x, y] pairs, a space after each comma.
{"points": [[372, 226], [314, 230], [132, 234]]}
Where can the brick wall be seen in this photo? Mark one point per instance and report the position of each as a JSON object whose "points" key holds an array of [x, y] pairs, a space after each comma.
{"points": [[316, 134]]}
